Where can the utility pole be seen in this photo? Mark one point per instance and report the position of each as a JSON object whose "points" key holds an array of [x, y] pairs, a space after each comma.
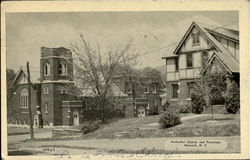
{"points": [[29, 103]]}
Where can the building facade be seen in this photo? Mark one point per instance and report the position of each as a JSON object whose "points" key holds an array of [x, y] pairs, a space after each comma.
{"points": [[200, 47], [55, 99], [146, 93]]}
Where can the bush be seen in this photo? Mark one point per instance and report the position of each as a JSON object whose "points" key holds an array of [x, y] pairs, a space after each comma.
{"points": [[185, 108], [232, 98], [166, 105], [197, 103], [91, 127], [153, 110], [169, 118]]}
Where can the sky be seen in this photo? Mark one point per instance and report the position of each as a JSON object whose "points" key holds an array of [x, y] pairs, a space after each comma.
{"points": [[155, 34]]}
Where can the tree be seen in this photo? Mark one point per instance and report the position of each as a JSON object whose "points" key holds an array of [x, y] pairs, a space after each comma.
{"points": [[96, 66], [208, 89], [10, 76], [232, 98]]}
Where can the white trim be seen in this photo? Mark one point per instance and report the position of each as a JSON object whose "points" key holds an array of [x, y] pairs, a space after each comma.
{"points": [[174, 99], [59, 81], [71, 105], [71, 101], [57, 57]]}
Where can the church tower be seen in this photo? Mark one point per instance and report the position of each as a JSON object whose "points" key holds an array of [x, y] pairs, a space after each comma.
{"points": [[56, 72]]}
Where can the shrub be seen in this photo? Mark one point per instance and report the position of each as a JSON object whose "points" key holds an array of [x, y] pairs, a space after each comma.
{"points": [[197, 103], [153, 110], [90, 127], [232, 98], [166, 105], [169, 118], [185, 108]]}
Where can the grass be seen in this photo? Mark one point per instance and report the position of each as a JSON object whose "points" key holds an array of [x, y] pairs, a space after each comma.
{"points": [[220, 125]]}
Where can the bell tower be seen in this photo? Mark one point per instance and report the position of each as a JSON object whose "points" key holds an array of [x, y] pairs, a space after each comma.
{"points": [[56, 64], [56, 72]]}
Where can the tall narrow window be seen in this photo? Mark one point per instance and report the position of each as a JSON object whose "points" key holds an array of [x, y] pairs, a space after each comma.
{"points": [[175, 91], [189, 60], [46, 108], [47, 69], [204, 58], [154, 88], [176, 64], [62, 70], [148, 104], [146, 88], [45, 90], [24, 98]]}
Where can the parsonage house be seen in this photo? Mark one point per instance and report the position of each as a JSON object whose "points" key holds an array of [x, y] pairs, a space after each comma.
{"points": [[201, 47], [53, 103]]}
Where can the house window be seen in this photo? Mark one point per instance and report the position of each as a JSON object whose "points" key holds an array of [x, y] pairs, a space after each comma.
{"points": [[176, 64], [85, 104], [46, 108], [45, 90], [47, 69], [154, 88], [146, 89], [62, 69], [195, 39], [204, 58], [175, 91], [24, 98], [189, 60]]}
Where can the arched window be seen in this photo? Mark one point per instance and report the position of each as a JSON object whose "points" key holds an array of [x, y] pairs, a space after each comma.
{"points": [[24, 98], [62, 69], [47, 69]]}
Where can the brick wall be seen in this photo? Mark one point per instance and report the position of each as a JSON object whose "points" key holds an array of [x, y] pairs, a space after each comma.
{"points": [[22, 114]]}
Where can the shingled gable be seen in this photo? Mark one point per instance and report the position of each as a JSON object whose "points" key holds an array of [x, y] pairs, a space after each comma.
{"points": [[225, 57]]}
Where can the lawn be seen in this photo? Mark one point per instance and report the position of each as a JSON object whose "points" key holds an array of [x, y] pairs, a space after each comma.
{"points": [[191, 126]]}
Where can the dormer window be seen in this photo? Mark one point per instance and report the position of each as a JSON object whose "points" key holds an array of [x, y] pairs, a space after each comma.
{"points": [[195, 39], [62, 69], [47, 69]]}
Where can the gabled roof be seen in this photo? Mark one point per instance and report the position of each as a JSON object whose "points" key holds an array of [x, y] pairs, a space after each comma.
{"points": [[225, 56], [220, 60], [87, 91], [226, 32], [34, 74]]}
